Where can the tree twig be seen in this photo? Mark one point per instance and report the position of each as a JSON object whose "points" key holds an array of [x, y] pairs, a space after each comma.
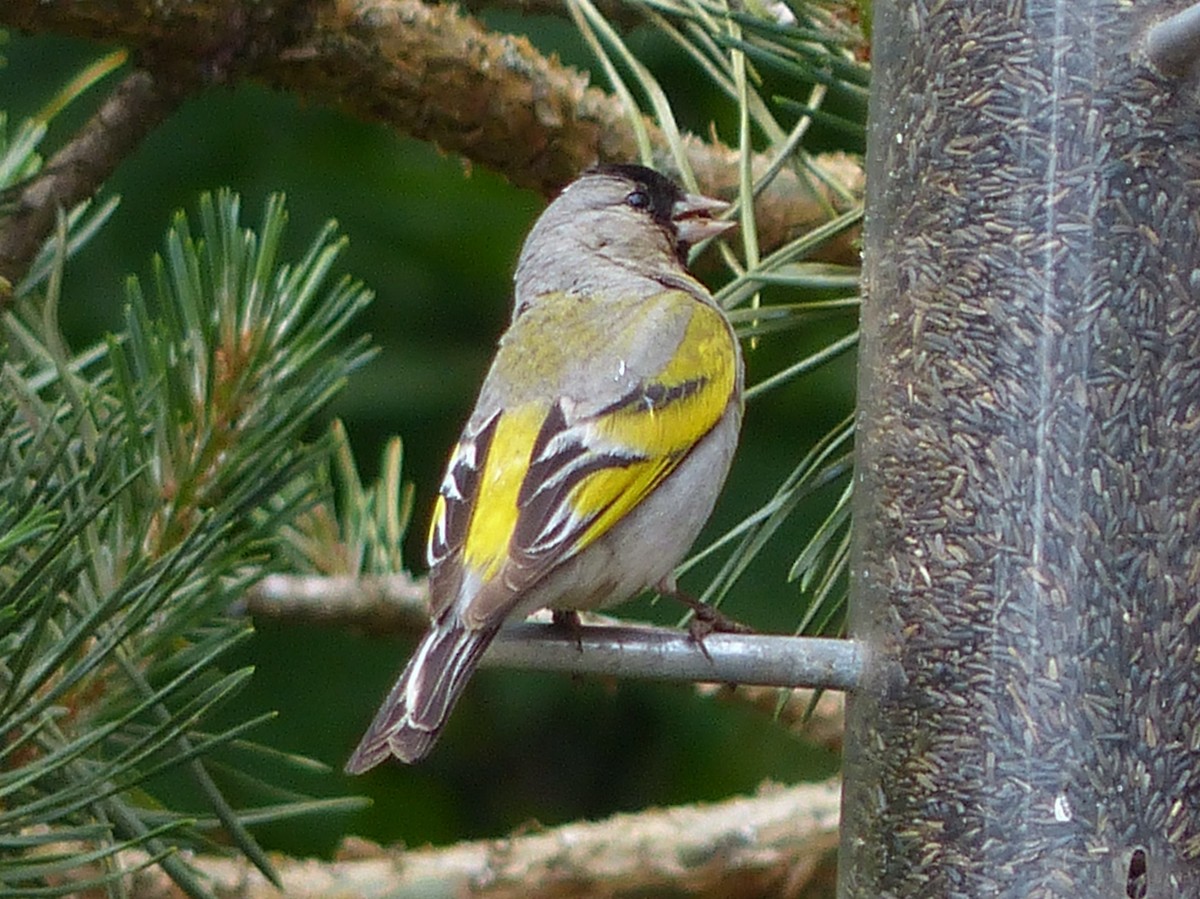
{"points": [[778, 843], [136, 106], [380, 605]]}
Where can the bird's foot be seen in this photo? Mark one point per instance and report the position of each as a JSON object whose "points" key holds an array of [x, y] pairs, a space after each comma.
{"points": [[705, 619], [568, 620]]}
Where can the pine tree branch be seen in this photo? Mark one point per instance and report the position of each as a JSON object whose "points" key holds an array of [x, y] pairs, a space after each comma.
{"points": [[620, 13], [439, 75], [627, 16], [138, 105], [426, 70], [778, 843], [378, 605]]}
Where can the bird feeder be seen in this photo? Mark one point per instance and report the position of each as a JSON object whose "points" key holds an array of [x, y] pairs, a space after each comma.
{"points": [[1026, 575]]}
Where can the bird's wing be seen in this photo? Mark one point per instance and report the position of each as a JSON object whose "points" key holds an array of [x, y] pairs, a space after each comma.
{"points": [[533, 483]]}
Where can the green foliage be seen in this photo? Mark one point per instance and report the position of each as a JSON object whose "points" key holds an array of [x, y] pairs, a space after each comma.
{"points": [[144, 486]]}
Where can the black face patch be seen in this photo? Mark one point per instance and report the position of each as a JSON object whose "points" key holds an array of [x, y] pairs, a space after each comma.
{"points": [[660, 192]]}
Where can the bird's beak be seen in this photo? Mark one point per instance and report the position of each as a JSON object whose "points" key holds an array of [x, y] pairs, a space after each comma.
{"points": [[694, 218]]}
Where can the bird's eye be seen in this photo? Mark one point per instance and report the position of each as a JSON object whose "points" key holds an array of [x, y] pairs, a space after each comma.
{"points": [[638, 199]]}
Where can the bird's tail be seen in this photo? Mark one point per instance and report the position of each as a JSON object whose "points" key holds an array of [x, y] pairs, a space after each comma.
{"points": [[414, 713]]}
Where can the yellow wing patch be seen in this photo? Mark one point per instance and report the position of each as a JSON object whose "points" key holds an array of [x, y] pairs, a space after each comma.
{"points": [[660, 424], [495, 514], [686, 400]]}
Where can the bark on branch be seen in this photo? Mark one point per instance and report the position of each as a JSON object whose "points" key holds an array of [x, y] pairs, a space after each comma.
{"points": [[138, 104], [778, 843], [426, 70]]}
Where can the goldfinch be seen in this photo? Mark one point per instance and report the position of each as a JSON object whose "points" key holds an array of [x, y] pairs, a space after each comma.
{"points": [[599, 443]]}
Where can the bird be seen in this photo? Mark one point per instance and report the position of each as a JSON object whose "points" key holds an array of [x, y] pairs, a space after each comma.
{"points": [[599, 442]]}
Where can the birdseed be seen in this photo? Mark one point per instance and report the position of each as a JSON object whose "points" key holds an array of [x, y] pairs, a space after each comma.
{"points": [[1027, 561]]}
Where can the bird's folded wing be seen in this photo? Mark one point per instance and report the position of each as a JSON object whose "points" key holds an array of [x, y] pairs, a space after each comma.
{"points": [[533, 485]]}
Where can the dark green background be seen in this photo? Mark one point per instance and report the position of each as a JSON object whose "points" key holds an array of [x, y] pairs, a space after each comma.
{"points": [[437, 241]]}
